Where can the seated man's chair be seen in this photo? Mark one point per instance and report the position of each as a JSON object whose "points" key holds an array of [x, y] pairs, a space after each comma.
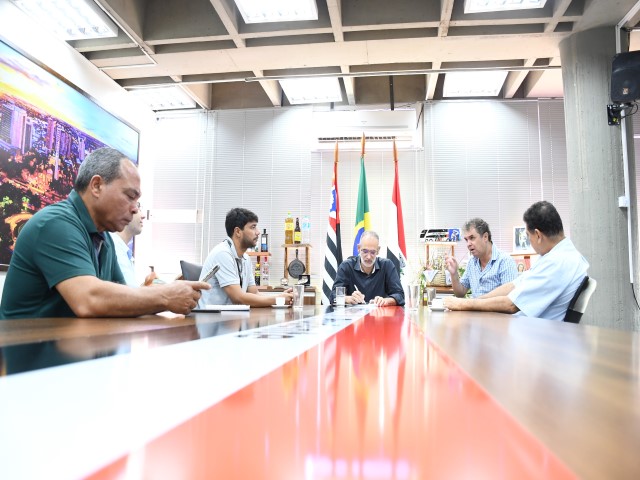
{"points": [[580, 300], [190, 271]]}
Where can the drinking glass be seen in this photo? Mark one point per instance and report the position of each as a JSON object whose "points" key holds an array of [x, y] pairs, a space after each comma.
{"points": [[340, 296], [414, 299], [298, 297]]}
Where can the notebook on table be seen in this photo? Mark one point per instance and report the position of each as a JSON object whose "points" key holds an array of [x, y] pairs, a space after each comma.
{"points": [[220, 308]]}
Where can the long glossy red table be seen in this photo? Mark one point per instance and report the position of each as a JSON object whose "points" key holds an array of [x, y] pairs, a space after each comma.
{"points": [[396, 394]]}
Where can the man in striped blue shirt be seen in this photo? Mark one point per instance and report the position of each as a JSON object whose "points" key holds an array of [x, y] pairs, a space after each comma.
{"points": [[488, 267]]}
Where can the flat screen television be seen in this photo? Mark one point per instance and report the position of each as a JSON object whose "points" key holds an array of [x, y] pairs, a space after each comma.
{"points": [[47, 128]]}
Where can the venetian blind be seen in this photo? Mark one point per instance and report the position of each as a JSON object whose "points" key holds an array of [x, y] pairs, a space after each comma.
{"points": [[480, 158]]}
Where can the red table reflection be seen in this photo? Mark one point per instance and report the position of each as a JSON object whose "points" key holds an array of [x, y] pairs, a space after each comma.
{"points": [[375, 401]]}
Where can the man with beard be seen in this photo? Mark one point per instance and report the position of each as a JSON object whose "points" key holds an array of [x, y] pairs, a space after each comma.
{"points": [[368, 278], [234, 283]]}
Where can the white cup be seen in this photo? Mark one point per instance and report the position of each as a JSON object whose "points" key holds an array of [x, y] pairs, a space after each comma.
{"points": [[340, 296], [298, 297], [280, 301], [414, 300]]}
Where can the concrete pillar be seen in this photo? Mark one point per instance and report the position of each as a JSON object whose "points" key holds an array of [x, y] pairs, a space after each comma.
{"points": [[596, 178]]}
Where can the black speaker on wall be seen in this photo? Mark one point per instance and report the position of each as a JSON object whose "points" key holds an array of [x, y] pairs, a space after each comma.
{"points": [[625, 77]]}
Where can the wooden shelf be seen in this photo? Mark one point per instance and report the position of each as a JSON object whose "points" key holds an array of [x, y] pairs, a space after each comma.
{"points": [[259, 254], [307, 256]]}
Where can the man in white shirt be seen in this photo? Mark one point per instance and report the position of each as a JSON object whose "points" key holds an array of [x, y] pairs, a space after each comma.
{"points": [[234, 283], [546, 289], [121, 241]]}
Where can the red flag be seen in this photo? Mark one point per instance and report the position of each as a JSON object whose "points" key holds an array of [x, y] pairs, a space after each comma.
{"points": [[396, 247]]}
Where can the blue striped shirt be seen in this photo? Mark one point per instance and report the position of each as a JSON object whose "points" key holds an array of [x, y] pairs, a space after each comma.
{"points": [[501, 269]]}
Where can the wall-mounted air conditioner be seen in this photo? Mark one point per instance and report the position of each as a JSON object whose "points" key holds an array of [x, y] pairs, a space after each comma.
{"points": [[380, 128]]}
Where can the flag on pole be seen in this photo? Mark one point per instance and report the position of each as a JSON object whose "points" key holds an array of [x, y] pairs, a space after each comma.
{"points": [[333, 253], [396, 246], [363, 220]]}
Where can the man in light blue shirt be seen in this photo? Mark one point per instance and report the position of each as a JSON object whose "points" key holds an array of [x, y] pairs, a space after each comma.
{"points": [[546, 289], [488, 267]]}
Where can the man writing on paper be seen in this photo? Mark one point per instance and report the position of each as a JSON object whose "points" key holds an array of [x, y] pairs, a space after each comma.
{"points": [[64, 265], [546, 289], [234, 283], [368, 278], [487, 269]]}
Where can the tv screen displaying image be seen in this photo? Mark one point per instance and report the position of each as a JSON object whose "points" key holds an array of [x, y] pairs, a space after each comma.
{"points": [[47, 128]]}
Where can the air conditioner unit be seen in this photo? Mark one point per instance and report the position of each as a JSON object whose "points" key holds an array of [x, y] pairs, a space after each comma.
{"points": [[380, 128]]}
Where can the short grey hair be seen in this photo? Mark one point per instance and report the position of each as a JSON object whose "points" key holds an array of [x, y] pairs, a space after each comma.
{"points": [[370, 233], [480, 225], [105, 162]]}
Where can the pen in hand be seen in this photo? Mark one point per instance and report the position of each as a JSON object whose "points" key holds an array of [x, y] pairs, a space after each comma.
{"points": [[358, 290]]}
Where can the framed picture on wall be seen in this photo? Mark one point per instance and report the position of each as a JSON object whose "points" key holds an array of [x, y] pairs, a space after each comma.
{"points": [[47, 128], [521, 240]]}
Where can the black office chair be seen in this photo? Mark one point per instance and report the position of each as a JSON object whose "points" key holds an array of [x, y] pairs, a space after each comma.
{"points": [[580, 300], [190, 271]]}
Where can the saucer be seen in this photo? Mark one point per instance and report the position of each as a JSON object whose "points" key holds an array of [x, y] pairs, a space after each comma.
{"points": [[437, 308], [280, 306]]}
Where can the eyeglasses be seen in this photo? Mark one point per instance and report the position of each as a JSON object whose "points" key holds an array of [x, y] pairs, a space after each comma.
{"points": [[365, 251]]}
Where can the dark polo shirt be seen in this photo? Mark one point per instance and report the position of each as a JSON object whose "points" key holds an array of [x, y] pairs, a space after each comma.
{"points": [[54, 245], [384, 281]]}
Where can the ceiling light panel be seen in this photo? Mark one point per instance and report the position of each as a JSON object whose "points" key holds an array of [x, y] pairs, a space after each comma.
{"points": [[265, 11], [473, 84], [70, 19], [164, 98], [478, 6], [312, 90]]}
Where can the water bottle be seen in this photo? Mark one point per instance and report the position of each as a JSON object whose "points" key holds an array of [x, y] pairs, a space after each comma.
{"points": [[264, 273], [306, 229]]}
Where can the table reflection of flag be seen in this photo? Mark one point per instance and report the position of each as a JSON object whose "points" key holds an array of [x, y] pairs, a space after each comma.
{"points": [[331, 369]]}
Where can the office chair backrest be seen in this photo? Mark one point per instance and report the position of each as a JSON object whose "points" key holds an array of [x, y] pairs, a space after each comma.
{"points": [[580, 300], [190, 271]]}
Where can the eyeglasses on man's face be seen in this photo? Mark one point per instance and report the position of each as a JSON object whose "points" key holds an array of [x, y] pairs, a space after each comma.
{"points": [[366, 251]]}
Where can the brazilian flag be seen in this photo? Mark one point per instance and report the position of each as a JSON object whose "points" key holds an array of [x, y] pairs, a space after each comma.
{"points": [[363, 219]]}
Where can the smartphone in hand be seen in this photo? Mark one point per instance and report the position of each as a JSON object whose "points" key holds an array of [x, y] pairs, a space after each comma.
{"points": [[211, 273]]}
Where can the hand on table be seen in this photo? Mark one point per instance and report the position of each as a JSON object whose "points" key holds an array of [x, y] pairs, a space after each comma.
{"points": [[379, 301], [453, 303]]}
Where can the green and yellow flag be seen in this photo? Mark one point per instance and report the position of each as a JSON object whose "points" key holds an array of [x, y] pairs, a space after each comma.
{"points": [[363, 219]]}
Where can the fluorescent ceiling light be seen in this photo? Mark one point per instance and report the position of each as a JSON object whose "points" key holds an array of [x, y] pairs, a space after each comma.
{"points": [[264, 11], [473, 84], [70, 19], [312, 90], [164, 98], [477, 6]]}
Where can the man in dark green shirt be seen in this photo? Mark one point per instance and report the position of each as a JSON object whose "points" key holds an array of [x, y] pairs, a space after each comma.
{"points": [[63, 263]]}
